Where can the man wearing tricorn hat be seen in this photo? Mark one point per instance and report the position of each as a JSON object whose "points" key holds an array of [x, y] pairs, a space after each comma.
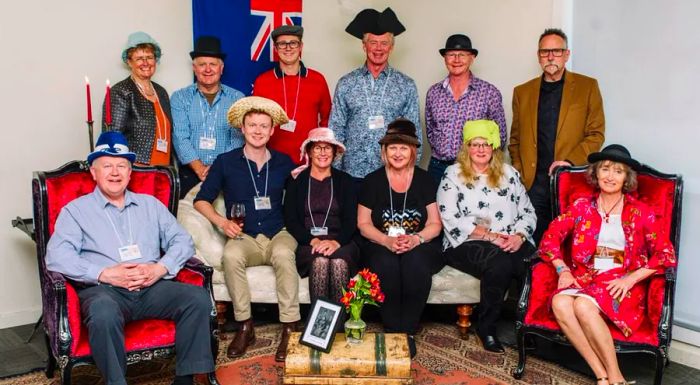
{"points": [[458, 98], [370, 97], [200, 129], [254, 176], [301, 91], [108, 244]]}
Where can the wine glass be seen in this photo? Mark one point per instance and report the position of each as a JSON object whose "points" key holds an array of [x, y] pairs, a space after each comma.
{"points": [[238, 215]]}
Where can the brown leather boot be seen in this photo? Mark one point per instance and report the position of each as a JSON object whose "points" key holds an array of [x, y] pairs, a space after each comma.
{"points": [[287, 329], [244, 337]]}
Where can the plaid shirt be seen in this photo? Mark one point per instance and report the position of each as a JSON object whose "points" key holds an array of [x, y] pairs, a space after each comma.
{"points": [[194, 118], [445, 117]]}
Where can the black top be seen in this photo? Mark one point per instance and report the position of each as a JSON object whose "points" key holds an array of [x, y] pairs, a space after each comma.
{"points": [[547, 121], [295, 206], [229, 173], [375, 196]]}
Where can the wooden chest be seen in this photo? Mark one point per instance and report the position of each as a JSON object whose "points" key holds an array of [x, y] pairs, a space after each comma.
{"points": [[379, 359]]}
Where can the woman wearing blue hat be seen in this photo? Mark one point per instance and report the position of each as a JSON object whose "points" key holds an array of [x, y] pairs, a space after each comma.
{"points": [[140, 108]]}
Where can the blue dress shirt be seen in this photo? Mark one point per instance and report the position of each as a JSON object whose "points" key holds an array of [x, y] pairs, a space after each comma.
{"points": [[230, 174], [90, 230], [194, 118]]}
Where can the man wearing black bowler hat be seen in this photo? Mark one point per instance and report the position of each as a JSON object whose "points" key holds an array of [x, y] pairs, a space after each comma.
{"points": [[200, 128], [459, 97]]}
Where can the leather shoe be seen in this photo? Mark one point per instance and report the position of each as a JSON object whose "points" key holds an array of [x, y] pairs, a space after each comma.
{"points": [[491, 344], [244, 337], [412, 345], [287, 329]]}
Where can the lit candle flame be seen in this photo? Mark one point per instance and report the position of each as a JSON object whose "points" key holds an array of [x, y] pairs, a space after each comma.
{"points": [[87, 81]]}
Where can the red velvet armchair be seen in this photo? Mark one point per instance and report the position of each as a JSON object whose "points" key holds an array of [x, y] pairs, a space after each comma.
{"points": [[663, 193], [66, 336]]}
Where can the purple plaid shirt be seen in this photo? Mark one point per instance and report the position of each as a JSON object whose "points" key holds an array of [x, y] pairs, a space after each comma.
{"points": [[445, 117]]}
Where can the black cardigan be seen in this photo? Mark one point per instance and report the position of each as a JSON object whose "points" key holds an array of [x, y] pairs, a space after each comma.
{"points": [[295, 203]]}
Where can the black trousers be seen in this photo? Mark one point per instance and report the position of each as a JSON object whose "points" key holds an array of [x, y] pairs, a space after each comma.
{"points": [[106, 309], [541, 200], [496, 269], [405, 280]]}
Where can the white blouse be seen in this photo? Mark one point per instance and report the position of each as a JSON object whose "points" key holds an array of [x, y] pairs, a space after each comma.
{"points": [[611, 234], [506, 209]]}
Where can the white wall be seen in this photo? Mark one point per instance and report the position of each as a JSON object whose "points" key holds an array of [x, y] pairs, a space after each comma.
{"points": [[49, 46]]}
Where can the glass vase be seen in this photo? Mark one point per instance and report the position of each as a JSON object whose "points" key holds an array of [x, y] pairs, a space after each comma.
{"points": [[355, 330]]}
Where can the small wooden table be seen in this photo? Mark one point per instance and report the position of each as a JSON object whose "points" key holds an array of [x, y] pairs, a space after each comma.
{"points": [[379, 359]]}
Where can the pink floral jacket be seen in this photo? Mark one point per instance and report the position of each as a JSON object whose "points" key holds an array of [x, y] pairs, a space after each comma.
{"points": [[646, 245]]}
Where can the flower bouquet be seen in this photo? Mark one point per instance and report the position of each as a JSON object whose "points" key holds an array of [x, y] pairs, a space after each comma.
{"points": [[363, 289]]}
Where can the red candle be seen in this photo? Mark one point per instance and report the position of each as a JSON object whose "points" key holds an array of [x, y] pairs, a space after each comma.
{"points": [[89, 102], [108, 106]]}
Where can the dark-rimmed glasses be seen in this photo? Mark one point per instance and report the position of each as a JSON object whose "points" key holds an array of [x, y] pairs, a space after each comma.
{"points": [[294, 44], [556, 52]]}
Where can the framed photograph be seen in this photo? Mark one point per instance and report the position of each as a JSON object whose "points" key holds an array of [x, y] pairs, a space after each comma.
{"points": [[321, 325]]}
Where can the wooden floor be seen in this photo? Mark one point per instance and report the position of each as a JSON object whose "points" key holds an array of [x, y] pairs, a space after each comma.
{"points": [[17, 356]]}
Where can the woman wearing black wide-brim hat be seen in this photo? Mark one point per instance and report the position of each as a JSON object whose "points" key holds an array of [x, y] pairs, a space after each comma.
{"points": [[617, 244]]}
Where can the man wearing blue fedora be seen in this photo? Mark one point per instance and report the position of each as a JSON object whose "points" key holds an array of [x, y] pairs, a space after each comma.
{"points": [[108, 243]]}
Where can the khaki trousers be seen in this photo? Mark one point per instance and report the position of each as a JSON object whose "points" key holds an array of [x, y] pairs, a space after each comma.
{"points": [[279, 252]]}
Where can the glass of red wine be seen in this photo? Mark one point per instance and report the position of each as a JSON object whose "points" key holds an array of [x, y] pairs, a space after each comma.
{"points": [[238, 215]]}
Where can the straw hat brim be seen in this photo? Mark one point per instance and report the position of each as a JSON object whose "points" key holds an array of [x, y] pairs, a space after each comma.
{"points": [[256, 103]]}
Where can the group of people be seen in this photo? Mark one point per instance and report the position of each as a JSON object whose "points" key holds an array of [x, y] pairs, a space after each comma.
{"points": [[323, 202]]}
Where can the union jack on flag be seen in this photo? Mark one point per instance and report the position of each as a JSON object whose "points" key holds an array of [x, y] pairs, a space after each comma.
{"points": [[244, 27]]}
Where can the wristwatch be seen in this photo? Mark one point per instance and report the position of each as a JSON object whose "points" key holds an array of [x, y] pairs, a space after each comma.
{"points": [[420, 238], [522, 236]]}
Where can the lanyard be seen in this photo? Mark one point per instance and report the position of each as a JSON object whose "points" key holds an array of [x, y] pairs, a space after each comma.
{"points": [[391, 199], [267, 174], [208, 128], [381, 99], [159, 130], [308, 201], [128, 219], [296, 100]]}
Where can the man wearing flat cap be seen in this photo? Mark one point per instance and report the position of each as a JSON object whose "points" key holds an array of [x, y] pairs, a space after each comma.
{"points": [[558, 120], [108, 243], [370, 97], [255, 177], [201, 131], [301, 91], [458, 98]]}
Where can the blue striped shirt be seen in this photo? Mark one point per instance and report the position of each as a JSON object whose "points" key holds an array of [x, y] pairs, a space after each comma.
{"points": [[194, 118], [358, 96], [89, 232]]}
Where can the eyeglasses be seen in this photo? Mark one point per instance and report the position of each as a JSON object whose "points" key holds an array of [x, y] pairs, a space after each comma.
{"points": [[480, 146], [294, 44], [457, 55], [321, 149], [144, 59], [557, 52]]}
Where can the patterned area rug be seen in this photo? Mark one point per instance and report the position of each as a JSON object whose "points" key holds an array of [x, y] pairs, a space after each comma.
{"points": [[443, 359]]}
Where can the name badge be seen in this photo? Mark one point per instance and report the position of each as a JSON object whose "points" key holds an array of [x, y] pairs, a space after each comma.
{"points": [[207, 143], [376, 122], [162, 145], [129, 253], [289, 126], [316, 231], [604, 263], [395, 231], [262, 203]]}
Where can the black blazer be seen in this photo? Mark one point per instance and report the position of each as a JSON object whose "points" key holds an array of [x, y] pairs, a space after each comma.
{"points": [[295, 203]]}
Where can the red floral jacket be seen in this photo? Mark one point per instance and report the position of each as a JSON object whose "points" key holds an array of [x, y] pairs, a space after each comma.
{"points": [[646, 245]]}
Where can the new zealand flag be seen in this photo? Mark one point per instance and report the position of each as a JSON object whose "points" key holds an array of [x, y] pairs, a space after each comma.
{"points": [[244, 27]]}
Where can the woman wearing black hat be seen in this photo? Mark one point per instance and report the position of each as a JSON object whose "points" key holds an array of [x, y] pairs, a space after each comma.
{"points": [[397, 213], [616, 245]]}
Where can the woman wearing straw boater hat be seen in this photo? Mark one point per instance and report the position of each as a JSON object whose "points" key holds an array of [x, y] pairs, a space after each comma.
{"points": [[618, 245], [397, 213], [320, 211], [253, 177], [140, 108]]}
